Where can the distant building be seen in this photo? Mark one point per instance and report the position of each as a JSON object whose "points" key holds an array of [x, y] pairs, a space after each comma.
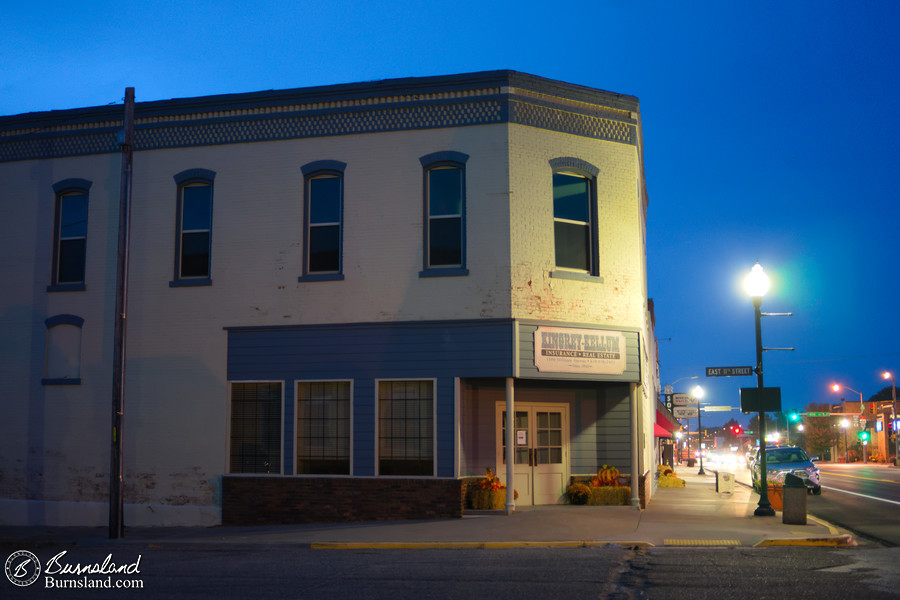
{"points": [[329, 285]]}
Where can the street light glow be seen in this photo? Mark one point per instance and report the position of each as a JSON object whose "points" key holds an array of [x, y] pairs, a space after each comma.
{"points": [[757, 282], [698, 392], [887, 375], [835, 387]]}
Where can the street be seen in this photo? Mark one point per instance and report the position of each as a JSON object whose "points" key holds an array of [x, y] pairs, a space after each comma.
{"points": [[860, 497], [864, 498], [239, 571]]}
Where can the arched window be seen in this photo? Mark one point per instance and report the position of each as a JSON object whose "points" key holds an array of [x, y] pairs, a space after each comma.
{"points": [[193, 243], [444, 214], [70, 235], [323, 220], [575, 215]]}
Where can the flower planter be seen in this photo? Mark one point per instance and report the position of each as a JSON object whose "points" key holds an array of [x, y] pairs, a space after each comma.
{"points": [[487, 499]]}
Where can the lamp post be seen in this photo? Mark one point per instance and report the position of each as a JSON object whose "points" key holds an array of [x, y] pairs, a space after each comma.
{"points": [[837, 387], [698, 394], [844, 425], [888, 375], [757, 284]]}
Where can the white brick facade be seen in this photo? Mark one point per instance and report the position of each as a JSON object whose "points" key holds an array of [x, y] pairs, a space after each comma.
{"points": [[54, 439]]}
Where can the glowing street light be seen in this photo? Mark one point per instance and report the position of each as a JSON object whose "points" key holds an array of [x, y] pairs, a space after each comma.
{"points": [[757, 284]]}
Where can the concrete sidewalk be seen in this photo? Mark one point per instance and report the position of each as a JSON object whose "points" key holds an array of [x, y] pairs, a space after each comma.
{"points": [[695, 515]]}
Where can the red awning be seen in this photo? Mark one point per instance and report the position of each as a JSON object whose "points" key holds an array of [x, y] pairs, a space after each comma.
{"points": [[661, 431], [666, 421]]}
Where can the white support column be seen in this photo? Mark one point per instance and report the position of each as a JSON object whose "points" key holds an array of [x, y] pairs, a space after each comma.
{"points": [[510, 446], [635, 447], [457, 428]]}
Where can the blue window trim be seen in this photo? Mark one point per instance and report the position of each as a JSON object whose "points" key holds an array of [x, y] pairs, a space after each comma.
{"points": [[60, 189], [182, 179], [66, 287], [309, 171], [591, 173], [51, 322], [64, 320], [443, 158], [190, 282]]}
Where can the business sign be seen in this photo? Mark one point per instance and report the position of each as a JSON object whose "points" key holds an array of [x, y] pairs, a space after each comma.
{"points": [[682, 399], [728, 371], [568, 350], [686, 412]]}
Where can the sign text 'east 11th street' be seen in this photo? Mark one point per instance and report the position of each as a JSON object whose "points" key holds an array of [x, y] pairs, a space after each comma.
{"points": [[728, 371]]}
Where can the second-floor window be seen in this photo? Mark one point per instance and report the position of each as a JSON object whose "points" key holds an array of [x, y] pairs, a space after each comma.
{"points": [[575, 215], [323, 216], [445, 213], [194, 240], [70, 233]]}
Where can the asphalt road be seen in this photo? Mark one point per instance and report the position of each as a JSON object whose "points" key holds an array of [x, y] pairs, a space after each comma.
{"points": [[260, 572], [864, 499]]}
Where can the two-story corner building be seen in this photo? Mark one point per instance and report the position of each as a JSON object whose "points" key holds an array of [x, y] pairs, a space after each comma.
{"points": [[348, 284]]}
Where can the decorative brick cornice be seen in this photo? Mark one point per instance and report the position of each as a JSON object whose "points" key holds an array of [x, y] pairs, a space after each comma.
{"points": [[393, 105]]}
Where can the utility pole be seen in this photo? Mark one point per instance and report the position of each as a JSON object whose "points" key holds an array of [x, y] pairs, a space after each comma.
{"points": [[116, 479]]}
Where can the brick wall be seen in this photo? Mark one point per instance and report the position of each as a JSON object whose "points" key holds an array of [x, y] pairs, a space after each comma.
{"points": [[286, 500]]}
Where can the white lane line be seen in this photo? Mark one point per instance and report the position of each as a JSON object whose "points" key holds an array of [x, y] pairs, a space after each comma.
{"points": [[861, 495]]}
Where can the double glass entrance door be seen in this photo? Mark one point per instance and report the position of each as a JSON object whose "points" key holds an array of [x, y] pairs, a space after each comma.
{"points": [[541, 451]]}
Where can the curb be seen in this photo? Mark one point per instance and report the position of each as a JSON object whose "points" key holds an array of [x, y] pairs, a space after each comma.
{"points": [[833, 541], [467, 545]]}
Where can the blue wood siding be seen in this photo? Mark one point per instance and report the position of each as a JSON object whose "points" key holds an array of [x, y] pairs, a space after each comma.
{"points": [[601, 430], [440, 350]]}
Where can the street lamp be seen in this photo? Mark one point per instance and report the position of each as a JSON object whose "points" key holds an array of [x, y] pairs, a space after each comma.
{"points": [[698, 394], [836, 388], [845, 424], [757, 284], [888, 375]]}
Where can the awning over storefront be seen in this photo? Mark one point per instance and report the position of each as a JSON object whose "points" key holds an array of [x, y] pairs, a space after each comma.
{"points": [[661, 431], [665, 425]]}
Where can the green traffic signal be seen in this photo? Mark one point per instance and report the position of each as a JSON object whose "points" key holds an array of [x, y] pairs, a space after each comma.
{"points": [[795, 416], [863, 436]]}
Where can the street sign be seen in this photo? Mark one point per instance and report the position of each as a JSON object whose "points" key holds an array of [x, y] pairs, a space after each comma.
{"points": [[818, 414], [686, 412], [728, 371], [682, 399], [716, 408]]}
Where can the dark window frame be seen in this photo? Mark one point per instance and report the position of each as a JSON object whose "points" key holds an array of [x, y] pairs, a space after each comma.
{"points": [[443, 160], [256, 434], [183, 180], [577, 167], [316, 452], [321, 169], [68, 188], [399, 463]]}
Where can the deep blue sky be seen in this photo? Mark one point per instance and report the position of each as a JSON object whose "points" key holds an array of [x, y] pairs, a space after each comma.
{"points": [[770, 132]]}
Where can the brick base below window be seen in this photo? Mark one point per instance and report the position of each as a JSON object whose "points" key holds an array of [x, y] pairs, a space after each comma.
{"points": [[286, 500]]}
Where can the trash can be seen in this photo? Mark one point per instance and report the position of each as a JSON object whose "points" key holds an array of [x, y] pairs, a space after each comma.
{"points": [[794, 512], [724, 482]]}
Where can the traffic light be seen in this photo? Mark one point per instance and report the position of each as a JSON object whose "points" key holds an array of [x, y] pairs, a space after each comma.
{"points": [[794, 416], [863, 436], [737, 430]]}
